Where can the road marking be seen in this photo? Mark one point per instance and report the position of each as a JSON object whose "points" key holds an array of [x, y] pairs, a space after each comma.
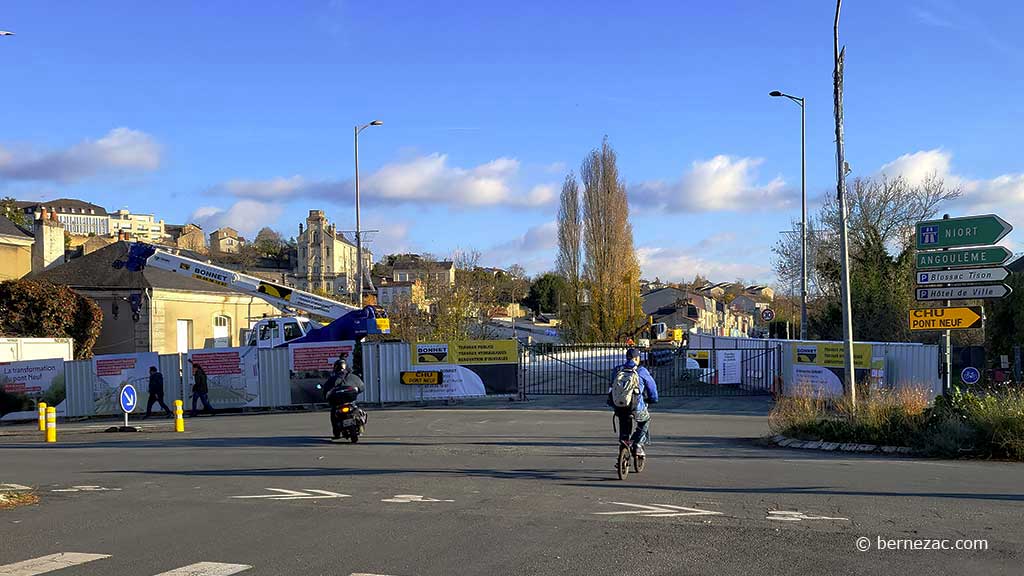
{"points": [[207, 569], [308, 494], [14, 488], [49, 563], [86, 489], [793, 516], [659, 511], [407, 498]]}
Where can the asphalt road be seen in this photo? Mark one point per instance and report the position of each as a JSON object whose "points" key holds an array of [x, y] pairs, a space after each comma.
{"points": [[493, 491]]}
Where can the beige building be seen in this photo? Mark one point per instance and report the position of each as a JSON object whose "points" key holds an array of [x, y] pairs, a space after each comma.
{"points": [[430, 273], [187, 237], [326, 259], [15, 250], [396, 292], [225, 241], [138, 226], [156, 310]]}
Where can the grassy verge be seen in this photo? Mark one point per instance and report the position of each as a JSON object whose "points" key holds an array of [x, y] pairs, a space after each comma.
{"points": [[963, 423]]}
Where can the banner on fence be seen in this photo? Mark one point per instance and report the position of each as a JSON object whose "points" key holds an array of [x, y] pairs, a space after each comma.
{"points": [[728, 366], [818, 367], [112, 371], [471, 368], [231, 373], [311, 363], [25, 383]]}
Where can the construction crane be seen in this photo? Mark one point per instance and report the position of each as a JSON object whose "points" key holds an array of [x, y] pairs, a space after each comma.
{"points": [[347, 322]]}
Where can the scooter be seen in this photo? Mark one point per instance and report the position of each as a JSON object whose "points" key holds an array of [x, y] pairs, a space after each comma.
{"points": [[348, 420]]}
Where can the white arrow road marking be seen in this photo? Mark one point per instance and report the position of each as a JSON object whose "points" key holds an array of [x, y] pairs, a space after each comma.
{"points": [[86, 489], [49, 563], [308, 494], [659, 511], [207, 569], [406, 498], [793, 516]]}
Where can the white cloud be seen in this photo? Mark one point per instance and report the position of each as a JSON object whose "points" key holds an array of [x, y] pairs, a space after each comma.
{"points": [[426, 179], [121, 149], [532, 249], [246, 216], [918, 166], [720, 184], [682, 264]]}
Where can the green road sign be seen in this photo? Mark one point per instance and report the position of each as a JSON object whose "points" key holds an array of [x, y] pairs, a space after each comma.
{"points": [[959, 232], [973, 258]]}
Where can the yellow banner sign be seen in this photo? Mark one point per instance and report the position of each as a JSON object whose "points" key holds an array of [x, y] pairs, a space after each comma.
{"points": [[831, 355], [466, 353], [946, 318], [423, 378]]}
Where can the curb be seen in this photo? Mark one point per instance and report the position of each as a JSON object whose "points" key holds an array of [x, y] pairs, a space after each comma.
{"points": [[820, 445]]}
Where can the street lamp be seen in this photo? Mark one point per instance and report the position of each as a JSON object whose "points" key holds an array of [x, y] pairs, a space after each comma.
{"points": [[359, 234], [803, 209]]}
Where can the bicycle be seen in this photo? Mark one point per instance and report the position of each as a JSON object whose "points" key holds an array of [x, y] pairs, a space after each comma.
{"points": [[628, 456]]}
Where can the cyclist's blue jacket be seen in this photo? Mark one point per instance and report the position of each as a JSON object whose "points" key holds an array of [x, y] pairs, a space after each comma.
{"points": [[648, 388]]}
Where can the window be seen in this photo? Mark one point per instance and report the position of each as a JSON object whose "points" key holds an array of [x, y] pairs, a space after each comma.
{"points": [[292, 331]]}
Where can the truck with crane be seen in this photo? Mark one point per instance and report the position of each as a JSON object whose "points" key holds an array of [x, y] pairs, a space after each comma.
{"points": [[347, 322]]}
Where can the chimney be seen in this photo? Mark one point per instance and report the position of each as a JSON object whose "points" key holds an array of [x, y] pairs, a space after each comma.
{"points": [[300, 228], [48, 246]]}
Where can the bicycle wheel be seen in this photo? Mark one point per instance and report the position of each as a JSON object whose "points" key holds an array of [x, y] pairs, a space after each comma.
{"points": [[623, 467], [638, 463]]}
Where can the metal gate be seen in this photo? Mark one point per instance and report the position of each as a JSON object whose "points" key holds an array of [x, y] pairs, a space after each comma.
{"points": [[587, 369]]}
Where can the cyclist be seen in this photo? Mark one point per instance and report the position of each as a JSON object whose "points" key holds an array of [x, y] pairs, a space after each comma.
{"points": [[645, 392]]}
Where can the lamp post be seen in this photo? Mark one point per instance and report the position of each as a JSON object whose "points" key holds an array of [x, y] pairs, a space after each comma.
{"points": [[359, 234], [803, 209]]}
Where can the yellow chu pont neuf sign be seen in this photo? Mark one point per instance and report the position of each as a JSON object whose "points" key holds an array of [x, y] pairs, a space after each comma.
{"points": [[423, 378], [963, 318], [469, 353]]}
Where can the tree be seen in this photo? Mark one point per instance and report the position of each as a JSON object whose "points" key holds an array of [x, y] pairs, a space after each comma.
{"points": [[30, 308], [570, 238], [269, 244], [9, 209], [882, 215], [1004, 326], [546, 292], [611, 271]]}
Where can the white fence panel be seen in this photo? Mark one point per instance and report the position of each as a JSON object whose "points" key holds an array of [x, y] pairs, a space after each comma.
{"points": [[275, 385]]}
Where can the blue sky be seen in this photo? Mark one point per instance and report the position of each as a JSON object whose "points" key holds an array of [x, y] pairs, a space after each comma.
{"points": [[205, 111]]}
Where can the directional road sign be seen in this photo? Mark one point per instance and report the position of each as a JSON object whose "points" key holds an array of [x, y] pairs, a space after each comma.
{"points": [[970, 375], [963, 276], [767, 314], [129, 398], [946, 318], [422, 378], [975, 257], [981, 291], [958, 232]]}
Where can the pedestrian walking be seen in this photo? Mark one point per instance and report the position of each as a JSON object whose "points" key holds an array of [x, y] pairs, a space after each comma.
{"points": [[200, 390], [156, 392]]}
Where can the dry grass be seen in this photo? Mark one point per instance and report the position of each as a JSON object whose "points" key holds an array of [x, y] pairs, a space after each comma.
{"points": [[10, 500]]}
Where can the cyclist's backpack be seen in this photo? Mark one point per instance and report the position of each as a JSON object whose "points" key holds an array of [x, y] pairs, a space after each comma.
{"points": [[625, 388]]}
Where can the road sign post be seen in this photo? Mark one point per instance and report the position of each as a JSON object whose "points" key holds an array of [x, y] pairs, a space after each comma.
{"points": [[129, 400]]}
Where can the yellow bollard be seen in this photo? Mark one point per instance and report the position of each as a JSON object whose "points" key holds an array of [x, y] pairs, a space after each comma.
{"points": [[42, 416], [51, 424], [179, 416]]}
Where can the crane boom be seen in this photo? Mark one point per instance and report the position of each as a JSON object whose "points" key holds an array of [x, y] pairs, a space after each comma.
{"points": [[141, 255]]}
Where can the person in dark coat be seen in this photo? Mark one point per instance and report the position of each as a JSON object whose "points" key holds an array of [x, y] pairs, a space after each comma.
{"points": [[200, 390], [156, 392]]}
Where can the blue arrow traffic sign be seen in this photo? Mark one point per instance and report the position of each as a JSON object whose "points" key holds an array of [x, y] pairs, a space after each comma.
{"points": [[128, 398], [970, 375]]}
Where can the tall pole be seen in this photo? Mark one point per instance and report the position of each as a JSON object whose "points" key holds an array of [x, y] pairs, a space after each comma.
{"points": [[803, 220], [359, 234], [844, 240]]}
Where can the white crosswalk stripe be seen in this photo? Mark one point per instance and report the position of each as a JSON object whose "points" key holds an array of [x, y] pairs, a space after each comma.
{"points": [[54, 562], [207, 569], [48, 563]]}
